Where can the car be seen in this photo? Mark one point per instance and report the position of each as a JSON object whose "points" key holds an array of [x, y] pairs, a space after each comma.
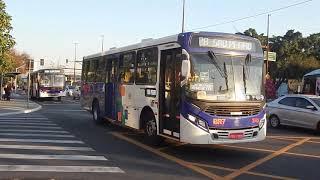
{"points": [[69, 90], [295, 110], [77, 92]]}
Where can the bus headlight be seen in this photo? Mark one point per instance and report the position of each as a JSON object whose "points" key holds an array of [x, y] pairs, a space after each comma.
{"points": [[192, 118], [202, 124], [261, 123]]}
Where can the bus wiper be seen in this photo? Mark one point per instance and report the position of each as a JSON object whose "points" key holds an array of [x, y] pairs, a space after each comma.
{"points": [[244, 74], [223, 73]]}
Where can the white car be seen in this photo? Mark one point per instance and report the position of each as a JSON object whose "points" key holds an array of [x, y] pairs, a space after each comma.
{"points": [[77, 92], [295, 110], [69, 90]]}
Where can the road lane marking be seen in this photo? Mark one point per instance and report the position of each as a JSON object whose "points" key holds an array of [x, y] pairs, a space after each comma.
{"points": [[41, 141], [284, 138], [33, 130], [303, 155], [249, 172], [167, 156], [27, 123], [61, 148], [248, 148], [315, 142], [53, 157], [23, 118], [296, 137], [265, 159], [40, 135], [72, 169], [170, 146], [34, 127]]}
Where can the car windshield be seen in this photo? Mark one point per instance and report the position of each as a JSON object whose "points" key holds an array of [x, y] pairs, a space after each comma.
{"points": [[316, 100], [225, 77]]}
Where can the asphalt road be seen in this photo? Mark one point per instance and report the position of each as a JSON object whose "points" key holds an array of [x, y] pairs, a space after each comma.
{"points": [[61, 137]]}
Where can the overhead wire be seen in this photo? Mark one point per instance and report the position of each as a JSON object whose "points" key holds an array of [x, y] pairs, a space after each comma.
{"points": [[252, 16]]}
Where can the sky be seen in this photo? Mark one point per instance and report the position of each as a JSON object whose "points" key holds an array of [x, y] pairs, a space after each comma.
{"points": [[48, 29]]}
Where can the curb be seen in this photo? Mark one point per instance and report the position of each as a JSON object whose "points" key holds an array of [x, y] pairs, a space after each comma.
{"points": [[25, 111]]}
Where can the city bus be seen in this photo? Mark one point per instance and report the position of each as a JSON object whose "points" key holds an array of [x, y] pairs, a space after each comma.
{"points": [[194, 87], [47, 83]]}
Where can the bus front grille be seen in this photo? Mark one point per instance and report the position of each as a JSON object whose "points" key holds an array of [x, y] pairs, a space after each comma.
{"points": [[233, 111]]}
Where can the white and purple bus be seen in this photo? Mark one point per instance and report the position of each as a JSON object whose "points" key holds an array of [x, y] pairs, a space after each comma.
{"points": [[194, 87], [47, 83]]}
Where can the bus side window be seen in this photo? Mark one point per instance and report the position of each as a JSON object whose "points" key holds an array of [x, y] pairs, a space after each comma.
{"points": [[127, 68], [147, 64]]}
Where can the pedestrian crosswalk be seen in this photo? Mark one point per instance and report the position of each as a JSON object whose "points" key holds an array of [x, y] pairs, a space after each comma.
{"points": [[36, 144]]}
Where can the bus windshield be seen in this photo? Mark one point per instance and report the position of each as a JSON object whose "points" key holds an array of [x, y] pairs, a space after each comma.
{"points": [[225, 77], [51, 80]]}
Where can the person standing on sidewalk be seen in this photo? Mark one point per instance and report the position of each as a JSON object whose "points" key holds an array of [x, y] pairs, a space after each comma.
{"points": [[7, 91]]}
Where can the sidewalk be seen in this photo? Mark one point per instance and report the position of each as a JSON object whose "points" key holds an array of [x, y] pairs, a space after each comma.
{"points": [[17, 105]]}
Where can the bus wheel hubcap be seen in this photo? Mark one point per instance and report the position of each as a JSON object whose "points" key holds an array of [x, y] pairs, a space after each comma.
{"points": [[151, 128]]}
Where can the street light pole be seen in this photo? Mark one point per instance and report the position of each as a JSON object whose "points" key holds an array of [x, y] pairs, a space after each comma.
{"points": [[102, 41], [74, 63], [183, 8], [267, 58], [28, 96]]}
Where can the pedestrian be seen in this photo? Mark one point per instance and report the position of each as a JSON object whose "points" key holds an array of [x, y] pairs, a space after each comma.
{"points": [[7, 92]]}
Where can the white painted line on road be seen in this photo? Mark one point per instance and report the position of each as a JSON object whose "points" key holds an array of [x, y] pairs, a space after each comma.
{"points": [[70, 110], [27, 123], [25, 118], [40, 135], [41, 141], [34, 127], [33, 130], [74, 169], [60, 157], [23, 121], [46, 147]]}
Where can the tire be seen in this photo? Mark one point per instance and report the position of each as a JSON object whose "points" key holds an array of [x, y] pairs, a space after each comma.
{"points": [[150, 130], [96, 113], [59, 98], [274, 121]]}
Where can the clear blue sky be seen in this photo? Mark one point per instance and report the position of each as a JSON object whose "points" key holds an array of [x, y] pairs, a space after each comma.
{"points": [[47, 29]]}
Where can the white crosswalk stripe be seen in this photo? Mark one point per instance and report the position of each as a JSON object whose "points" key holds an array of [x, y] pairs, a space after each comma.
{"points": [[40, 145]]}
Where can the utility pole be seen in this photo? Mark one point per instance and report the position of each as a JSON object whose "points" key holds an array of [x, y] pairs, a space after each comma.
{"points": [[102, 41], [29, 79], [267, 57], [183, 9], [74, 63]]}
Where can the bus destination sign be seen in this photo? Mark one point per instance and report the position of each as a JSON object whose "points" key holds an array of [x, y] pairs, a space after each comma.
{"points": [[216, 42], [52, 71]]}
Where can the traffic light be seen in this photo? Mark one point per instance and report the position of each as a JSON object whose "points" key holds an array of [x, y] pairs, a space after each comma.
{"points": [[66, 60], [30, 64], [41, 62]]}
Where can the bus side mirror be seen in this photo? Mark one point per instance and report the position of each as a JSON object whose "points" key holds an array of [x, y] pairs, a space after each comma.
{"points": [[185, 68], [185, 65]]}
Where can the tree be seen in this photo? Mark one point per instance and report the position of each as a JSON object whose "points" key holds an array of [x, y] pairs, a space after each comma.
{"points": [[6, 40]]}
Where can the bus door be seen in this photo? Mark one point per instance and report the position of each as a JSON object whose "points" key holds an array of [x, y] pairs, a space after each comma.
{"points": [[110, 88], [169, 93]]}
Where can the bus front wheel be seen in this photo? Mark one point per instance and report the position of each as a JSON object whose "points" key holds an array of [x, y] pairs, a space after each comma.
{"points": [[150, 130]]}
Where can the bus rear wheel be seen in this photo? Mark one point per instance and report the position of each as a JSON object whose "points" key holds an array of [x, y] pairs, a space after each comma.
{"points": [[96, 113]]}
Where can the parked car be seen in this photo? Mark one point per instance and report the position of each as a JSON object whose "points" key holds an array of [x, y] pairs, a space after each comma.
{"points": [[77, 92], [69, 90], [295, 110]]}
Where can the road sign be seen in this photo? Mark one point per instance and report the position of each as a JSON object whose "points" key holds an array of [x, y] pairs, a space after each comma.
{"points": [[271, 57]]}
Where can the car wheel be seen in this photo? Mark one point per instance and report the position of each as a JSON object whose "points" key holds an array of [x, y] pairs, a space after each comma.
{"points": [[274, 121]]}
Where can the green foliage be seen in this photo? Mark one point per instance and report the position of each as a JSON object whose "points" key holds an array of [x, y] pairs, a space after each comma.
{"points": [[6, 40], [296, 55]]}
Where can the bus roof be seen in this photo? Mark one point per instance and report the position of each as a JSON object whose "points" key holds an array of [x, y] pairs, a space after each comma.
{"points": [[53, 70], [163, 40]]}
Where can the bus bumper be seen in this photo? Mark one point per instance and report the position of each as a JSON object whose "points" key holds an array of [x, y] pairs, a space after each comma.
{"points": [[190, 133]]}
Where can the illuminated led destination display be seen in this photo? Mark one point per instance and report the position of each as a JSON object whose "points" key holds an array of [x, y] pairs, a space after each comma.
{"points": [[223, 43]]}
